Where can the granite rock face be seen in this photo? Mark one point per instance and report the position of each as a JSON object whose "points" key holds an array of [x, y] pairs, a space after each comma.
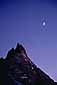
{"points": [[18, 69]]}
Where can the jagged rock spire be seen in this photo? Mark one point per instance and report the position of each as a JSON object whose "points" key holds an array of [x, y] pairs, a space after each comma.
{"points": [[19, 48], [18, 68]]}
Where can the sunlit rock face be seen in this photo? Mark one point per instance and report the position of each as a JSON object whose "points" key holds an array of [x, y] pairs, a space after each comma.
{"points": [[18, 69]]}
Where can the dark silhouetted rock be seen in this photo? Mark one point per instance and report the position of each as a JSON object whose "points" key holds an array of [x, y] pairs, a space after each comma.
{"points": [[18, 69]]}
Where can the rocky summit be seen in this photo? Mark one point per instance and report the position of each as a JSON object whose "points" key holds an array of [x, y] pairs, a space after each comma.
{"points": [[18, 69]]}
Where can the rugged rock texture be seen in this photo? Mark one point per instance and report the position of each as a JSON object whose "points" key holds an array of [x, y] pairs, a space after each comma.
{"points": [[18, 69]]}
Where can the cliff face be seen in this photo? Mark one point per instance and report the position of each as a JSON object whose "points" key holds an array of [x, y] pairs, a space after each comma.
{"points": [[18, 69]]}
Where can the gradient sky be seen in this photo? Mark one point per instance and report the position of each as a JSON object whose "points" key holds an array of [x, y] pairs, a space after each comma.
{"points": [[21, 21]]}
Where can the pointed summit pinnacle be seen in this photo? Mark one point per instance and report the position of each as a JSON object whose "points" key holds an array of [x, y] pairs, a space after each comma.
{"points": [[18, 45], [20, 48]]}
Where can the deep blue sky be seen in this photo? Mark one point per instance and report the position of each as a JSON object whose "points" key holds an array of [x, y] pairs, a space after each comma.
{"points": [[21, 21]]}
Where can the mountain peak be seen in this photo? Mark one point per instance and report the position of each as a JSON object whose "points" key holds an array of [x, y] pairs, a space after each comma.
{"points": [[19, 48], [20, 69]]}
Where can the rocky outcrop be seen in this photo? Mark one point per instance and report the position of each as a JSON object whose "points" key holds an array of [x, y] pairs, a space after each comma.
{"points": [[18, 69]]}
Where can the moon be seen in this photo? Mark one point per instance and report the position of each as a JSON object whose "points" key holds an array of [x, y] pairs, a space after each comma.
{"points": [[44, 23]]}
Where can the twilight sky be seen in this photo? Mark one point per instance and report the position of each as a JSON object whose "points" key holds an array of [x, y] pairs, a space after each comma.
{"points": [[21, 21]]}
